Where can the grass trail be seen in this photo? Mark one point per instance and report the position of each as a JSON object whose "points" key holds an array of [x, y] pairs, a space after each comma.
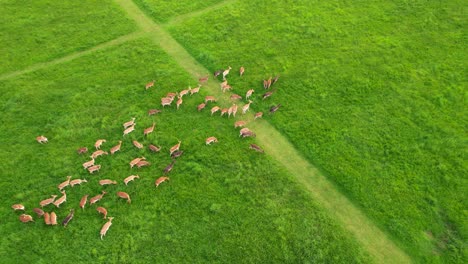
{"points": [[72, 56], [374, 240], [183, 17]]}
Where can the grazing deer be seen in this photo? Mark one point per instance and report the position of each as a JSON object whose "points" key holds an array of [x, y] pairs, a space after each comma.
{"points": [[246, 107], [83, 201], [176, 154], [129, 130], [47, 218], [175, 148], [98, 153], [154, 111], [77, 181], [18, 207], [124, 195], [97, 198], [98, 143], [94, 168], [82, 150], [142, 163], [149, 85], [53, 218], [131, 178], [249, 93], [258, 115], [203, 79], [42, 139], [201, 106], [39, 212], [215, 109], [210, 140], [226, 88], [171, 95], [223, 84], [269, 83], [135, 161], [69, 217], [115, 148], [47, 201], [88, 164], [61, 200], [129, 123], [102, 211], [106, 226], [217, 73], [230, 111], [25, 218], [183, 92], [240, 123], [64, 184], [179, 102], [234, 110], [154, 148], [210, 98], [169, 168], [275, 108], [256, 148], [226, 72], [241, 71], [166, 101], [225, 110], [236, 97], [137, 144], [160, 180], [106, 182], [267, 94], [194, 90], [248, 134]]}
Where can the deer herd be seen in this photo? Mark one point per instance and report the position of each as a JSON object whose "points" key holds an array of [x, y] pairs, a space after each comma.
{"points": [[50, 217]]}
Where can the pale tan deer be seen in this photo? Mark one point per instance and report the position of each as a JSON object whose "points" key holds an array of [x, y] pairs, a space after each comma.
{"points": [[154, 111], [106, 226], [214, 109], [210, 98], [131, 178], [47, 201], [210, 140], [82, 150], [94, 168], [53, 218], [184, 92], [107, 182], [234, 110], [137, 144], [18, 207], [77, 181], [175, 148], [203, 79], [42, 139], [88, 164], [124, 195], [226, 72], [98, 143], [235, 97], [97, 198], [115, 148], [154, 148], [83, 201], [225, 110], [98, 153], [166, 101], [64, 184], [179, 102], [241, 71], [129, 130], [258, 115], [194, 90], [246, 107], [249, 93], [149, 85], [61, 200], [135, 161], [102, 211], [129, 123], [142, 163], [201, 106], [160, 180], [39, 212], [25, 218], [47, 218], [240, 123]]}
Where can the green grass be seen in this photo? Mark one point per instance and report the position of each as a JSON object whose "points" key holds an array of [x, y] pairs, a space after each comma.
{"points": [[372, 93], [38, 31], [224, 203]]}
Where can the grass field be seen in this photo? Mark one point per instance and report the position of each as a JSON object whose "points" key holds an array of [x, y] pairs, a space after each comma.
{"points": [[223, 202]]}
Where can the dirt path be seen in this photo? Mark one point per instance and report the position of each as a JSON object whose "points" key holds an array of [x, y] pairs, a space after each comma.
{"points": [[72, 56], [382, 249], [197, 13]]}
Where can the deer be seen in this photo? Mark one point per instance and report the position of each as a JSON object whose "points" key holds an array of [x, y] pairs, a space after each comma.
{"points": [[210, 98], [201, 106], [129, 123], [203, 79], [217, 73], [131, 178], [129, 130], [267, 94], [236, 97], [275, 108], [160, 180], [149, 85], [42, 139], [240, 123], [183, 92], [77, 181], [82, 150], [135, 161], [234, 110], [39, 212], [153, 112], [143, 163], [275, 79], [177, 154], [98, 153], [256, 148], [169, 168], [175, 148], [249, 93], [226, 88], [102, 211], [64, 184], [166, 101], [47, 218], [230, 111], [107, 182], [53, 218], [214, 109], [124, 195], [225, 110], [246, 107], [154, 148], [241, 71], [226, 72], [269, 83], [88, 163], [106, 226], [94, 168], [258, 115], [61, 200], [97, 198], [223, 84], [179, 102], [25, 218], [83, 201], [210, 140], [69, 217], [137, 144], [115, 148], [18, 207], [47, 201], [99, 143], [171, 95], [194, 90], [265, 84]]}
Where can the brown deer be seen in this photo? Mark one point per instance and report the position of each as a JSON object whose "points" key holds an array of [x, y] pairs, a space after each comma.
{"points": [[169, 168], [149, 85], [215, 109], [129, 123], [154, 148], [249, 93], [94, 168], [61, 200], [137, 144], [236, 97], [102, 211], [129, 130], [166, 101], [77, 181], [131, 178], [258, 115], [256, 148], [124, 195], [201, 106], [42, 139], [39, 212], [210, 140], [115, 148], [83, 201], [64, 184], [69, 217], [203, 79], [107, 182], [275, 108], [106, 226], [98, 143], [82, 150], [25, 218], [160, 180], [47, 201], [241, 71], [154, 111], [246, 107], [97, 198]]}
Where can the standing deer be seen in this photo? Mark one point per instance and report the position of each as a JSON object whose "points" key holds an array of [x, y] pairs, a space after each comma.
{"points": [[61, 200], [166, 101], [98, 143], [194, 90], [106, 182], [82, 150], [124, 195], [149, 85], [275, 108], [47, 201], [77, 181], [131, 178], [135, 161], [201, 106], [106, 226], [42, 139], [116, 148], [142, 163], [39, 212], [64, 184], [175, 148], [236, 97], [160, 180], [129, 130], [137, 144], [249, 93], [179, 102], [214, 109], [102, 211], [226, 72], [154, 111], [129, 123], [256, 148], [246, 107], [88, 163], [53, 218], [240, 123], [203, 79], [69, 217], [83, 201], [98, 153], [94, 168], [241, 71], [210, 98], [210, 140], [97, 198], [154, 148], [258, 115]]}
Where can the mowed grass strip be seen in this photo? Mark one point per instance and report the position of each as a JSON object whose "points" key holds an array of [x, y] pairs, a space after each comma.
{"points": [[38, 31], [371, 93], [223, 203]]}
